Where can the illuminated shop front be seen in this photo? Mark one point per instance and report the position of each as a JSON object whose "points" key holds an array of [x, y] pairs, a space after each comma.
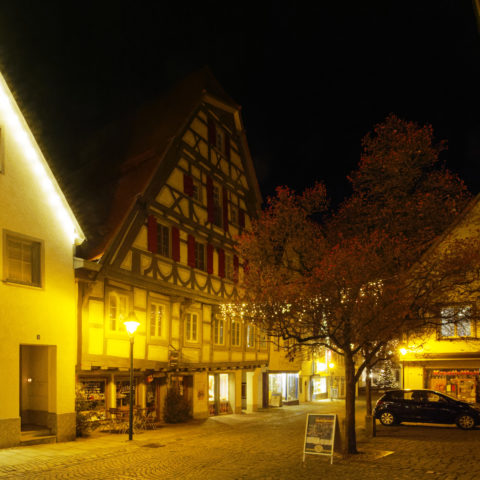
{"points": [[284, 385], [319, 388], [461, 383], [218, 394]]}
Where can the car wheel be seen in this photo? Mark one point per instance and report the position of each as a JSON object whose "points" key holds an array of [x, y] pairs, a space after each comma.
{"points": [[465, 422], [388, 419]]}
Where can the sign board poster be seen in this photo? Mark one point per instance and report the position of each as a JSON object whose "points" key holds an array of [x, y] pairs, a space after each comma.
{"points": [[320, 435]]}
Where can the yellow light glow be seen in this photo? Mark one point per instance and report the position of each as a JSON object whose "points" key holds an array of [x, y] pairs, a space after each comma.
{"points": [[403, 351], [321, 367], [23, 136], [331, 365], [131, 326]]}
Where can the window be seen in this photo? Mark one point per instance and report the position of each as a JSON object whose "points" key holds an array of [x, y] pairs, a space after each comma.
{"points": [[23, 260], [263, 339], [157, 320], [200, 256], [197, 190], [456, 322], [250, 336], [236, 339], [117, 311], [229, 267], [191, 327], [233, 214], [217, 207], [163, 235], [218, 330]]}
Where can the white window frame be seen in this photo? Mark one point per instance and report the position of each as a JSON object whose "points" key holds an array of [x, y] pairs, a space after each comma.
{"points": [[250, 335], [29, 272], [236, 333], [218, 330], [197, 190], [157, 325], [122, 304], [192, 324], [163, 240], [228, 266]]}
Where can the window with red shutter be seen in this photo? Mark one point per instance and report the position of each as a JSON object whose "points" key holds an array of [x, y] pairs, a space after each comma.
{"points": [[191, 251], [188, 185], [152, 233], [221, 263], [175, 244], [209, 258]]}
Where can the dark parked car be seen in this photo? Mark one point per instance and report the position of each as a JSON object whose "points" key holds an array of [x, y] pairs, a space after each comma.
{"points": [[425, 406]]}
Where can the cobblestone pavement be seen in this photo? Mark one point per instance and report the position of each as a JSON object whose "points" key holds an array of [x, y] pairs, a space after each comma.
{"points": [[263, 445]]}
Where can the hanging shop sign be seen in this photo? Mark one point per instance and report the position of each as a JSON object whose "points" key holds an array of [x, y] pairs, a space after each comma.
{"points": [[455, 372], [320, 435]]}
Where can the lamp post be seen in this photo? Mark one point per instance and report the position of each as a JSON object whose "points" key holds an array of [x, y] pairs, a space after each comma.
{"points": [[131, 324]]}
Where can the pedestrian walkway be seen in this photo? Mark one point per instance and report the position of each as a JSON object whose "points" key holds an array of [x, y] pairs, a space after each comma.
{"points": [[263, 445]]}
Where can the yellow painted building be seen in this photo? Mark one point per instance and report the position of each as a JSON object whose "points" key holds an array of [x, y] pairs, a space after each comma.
{"points": [[37, 288], [448, 359], [182, 188]]}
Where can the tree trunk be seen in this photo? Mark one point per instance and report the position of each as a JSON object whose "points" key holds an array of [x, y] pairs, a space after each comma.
{"points": [[368, 392], [350, 434]]}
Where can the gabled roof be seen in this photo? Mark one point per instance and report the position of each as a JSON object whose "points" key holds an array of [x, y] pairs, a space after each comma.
{"points": [[22, 134], [123, 159]]}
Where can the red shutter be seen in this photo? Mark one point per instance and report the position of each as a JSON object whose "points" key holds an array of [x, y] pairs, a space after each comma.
{"points": [[209, 258], [221, 263], [210, 204], [225, 210], [212, 132], [191, 251], [152, 234], [227, 146], [235, 268], [188, 185], [241, 219], [175, 244]]}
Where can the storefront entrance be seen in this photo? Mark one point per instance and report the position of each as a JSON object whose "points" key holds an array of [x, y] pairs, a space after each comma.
{"points": [[284, 385], [461, 383], [218, 394]]}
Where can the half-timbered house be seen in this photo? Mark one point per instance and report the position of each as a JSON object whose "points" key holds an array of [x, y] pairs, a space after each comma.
{"points": [[178, 187]]}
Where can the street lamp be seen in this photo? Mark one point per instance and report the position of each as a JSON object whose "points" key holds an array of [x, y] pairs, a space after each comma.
{"points": [[131, 324]]}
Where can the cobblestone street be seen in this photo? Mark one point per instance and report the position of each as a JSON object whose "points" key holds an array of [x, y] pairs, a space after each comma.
{"points": [[263, 445]]}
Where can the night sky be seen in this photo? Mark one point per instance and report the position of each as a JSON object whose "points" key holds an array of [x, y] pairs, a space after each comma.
{"points": [[312, 79]]}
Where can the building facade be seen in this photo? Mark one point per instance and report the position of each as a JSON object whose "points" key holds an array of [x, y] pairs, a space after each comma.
{"points": [[448, 359], [185, 189], [37, 291]]}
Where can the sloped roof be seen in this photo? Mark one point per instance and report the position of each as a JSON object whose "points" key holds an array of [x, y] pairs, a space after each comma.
{"points": [[121, 161]]}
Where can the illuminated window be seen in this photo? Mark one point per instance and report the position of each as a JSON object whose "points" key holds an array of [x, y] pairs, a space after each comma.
{"points": [[456, 322], [157, 320], [218, 331], [200, 256], [236, 337], [250, 337], [23, 260], [191, 327], [229, 267], [117, 310], [163, 240]]}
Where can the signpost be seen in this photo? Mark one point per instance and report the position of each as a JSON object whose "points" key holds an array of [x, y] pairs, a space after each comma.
{"points": [[320, 435]]}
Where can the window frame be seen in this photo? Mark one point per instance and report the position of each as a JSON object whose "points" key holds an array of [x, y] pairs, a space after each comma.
{"points": [[250, 342], [163, 240], [188, 318], [217, 205], [236, 333], [219, 332], [200, 256], [455, 324], [117, 293], [35, 264], [163, 337]]}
